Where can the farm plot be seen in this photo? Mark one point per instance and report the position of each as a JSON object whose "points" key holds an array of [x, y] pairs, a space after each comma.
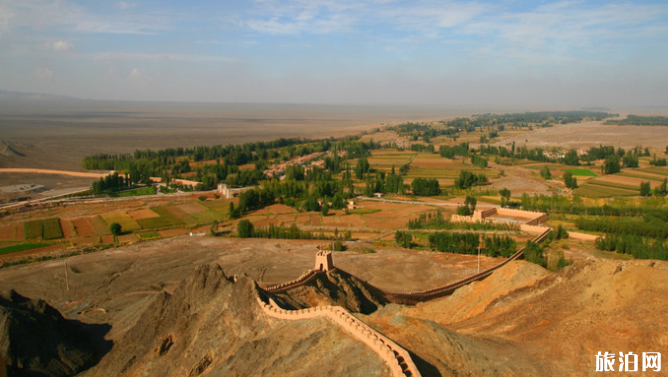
{"points": [[592, 191], [614, 185], [181, 216], [32, 229], [83, 227], [21, 247], [656, 170], [203, 215], [100, 226], [385, 159], [633, 183], [143, 214], [166, 219], [68, 228], [128, 224], [8, 232], [581, 172], [219, 206], [51, 229]]}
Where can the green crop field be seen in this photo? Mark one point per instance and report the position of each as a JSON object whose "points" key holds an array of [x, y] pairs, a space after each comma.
{"points": [[151, 190], [154, 223], [219, 206], [51, 229], [614, 184], [582, 172], [32, 229], [128, 224], [167, 215], [148, 236], [655, 170], [21, 247], [208, 217], [446, 171], [363, 211], [640, 175], [591, 191]]}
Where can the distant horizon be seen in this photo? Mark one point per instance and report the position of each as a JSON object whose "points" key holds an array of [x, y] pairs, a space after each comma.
{"points": [[431, 106]]}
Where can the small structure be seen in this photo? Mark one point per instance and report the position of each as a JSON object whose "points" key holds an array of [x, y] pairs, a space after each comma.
{"points": [[378, 194], [228, 193], [323, 261]]}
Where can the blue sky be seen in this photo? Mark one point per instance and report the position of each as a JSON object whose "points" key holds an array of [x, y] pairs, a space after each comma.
{"points": [[519, 53]]}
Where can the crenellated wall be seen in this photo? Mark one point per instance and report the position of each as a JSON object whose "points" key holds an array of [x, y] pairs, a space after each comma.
{"points": [[397, 358], [305, 278], [430, 294]]}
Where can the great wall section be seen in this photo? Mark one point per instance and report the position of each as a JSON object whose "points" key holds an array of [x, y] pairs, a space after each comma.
{"points": [[397, 358]]}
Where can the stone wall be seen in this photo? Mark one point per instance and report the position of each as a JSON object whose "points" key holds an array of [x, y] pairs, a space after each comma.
{"points": [[397, 358], [582, 236], [305, 278]]}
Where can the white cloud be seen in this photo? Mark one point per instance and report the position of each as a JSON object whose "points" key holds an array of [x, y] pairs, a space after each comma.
{"points": [[43, 74], [5, 16], [123, 5], [132, 56], [60, 46], [134, 74]]}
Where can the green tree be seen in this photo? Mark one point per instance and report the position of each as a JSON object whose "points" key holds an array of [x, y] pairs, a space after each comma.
{"points": [[645, 189], [361, 168], [545, 172], [325, 209], [505, 196], [403, 239], [570, 181], [612, 164], [115, 229], [571, 158], [245, 229], [662, 190]]}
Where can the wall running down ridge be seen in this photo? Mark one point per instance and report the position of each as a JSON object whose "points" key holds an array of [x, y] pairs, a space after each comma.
{"points": [[396, 358]]}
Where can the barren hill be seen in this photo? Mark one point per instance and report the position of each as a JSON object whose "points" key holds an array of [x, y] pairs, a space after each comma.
{"points": [[212, 326], [170, 317]]}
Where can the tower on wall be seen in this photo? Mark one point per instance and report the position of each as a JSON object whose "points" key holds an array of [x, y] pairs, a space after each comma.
{"points": [[323, 261]]}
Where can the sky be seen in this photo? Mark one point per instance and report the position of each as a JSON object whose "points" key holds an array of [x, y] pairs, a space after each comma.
{"points": [[504, 52]]}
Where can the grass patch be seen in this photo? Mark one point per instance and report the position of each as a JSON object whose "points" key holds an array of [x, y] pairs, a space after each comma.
{"points": [[151, 190], [655, 170], [592, 191], [366, 250], [614, 184], [640, 175], [21, 247], [363, 211], [582, 172], [208, 217], [167, 215], [128, 224], [165, 220], [32, 230], [148, 236], [51, 229]]}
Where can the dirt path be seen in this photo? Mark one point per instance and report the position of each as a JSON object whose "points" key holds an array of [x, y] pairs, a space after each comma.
{"points": [[58, 172]]}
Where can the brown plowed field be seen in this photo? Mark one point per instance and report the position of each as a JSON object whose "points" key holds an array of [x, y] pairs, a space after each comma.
{"points": [[68, 228], [7, 232], [99, 225], [83, 227], [143, 214], [191, 208], [173, 232]]}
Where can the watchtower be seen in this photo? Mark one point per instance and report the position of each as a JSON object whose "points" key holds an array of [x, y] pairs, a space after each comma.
{"points": [[323, 261]]}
